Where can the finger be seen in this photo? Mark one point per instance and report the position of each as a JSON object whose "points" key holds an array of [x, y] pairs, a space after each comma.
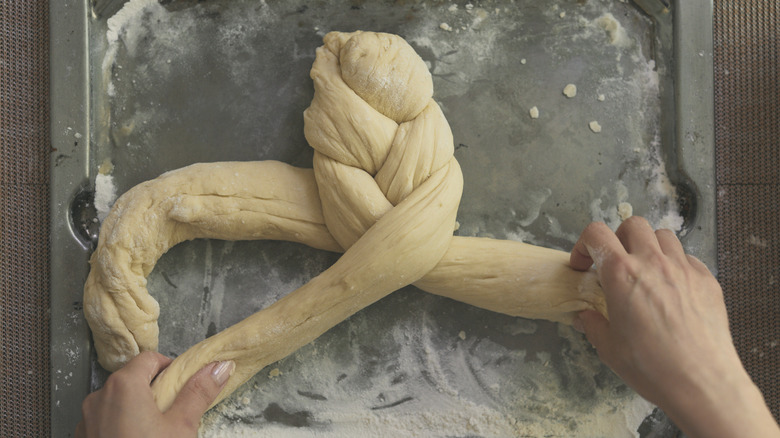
{"points": [[146, 365], [596, 244], [670, 245], [200, 391], [637, 236], [596, 328]]}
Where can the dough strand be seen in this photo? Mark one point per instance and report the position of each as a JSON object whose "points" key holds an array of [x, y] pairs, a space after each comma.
{"points": [[384, 190]]}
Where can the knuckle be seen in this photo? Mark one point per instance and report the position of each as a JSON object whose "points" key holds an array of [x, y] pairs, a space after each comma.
{"points": [[636, 221], [660, 261], [595, 228], [118, 382]]}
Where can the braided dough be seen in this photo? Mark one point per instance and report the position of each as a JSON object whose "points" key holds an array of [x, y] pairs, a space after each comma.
{"points": [[384, 190]]}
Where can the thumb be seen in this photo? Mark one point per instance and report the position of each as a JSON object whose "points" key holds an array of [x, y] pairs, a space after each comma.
{"points": [[596, 328], [199, 392]]}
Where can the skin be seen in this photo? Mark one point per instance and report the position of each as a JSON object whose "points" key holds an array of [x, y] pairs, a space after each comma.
{"points": [[668, 334], [668, 338], [125, 408]]}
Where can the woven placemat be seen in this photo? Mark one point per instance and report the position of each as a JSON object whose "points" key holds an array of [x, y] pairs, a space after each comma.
{"points": [[747, 115], [747, 141], [24, 218]]}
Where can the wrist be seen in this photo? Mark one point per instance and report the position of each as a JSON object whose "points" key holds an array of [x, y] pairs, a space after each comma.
{"points": [[726, 404]]}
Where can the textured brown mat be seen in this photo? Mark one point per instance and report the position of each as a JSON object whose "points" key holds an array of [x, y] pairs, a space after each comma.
{"points": [[749, 260], [747, 57], [24, 218], [747, 140]]}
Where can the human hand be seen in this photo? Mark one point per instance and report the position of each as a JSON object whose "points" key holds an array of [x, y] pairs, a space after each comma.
{"points": [[125, 408], [668, 333]]}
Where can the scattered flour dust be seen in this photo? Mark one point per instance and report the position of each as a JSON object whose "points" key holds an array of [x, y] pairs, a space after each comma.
{"points": [[460, 419], [105, 194], [463, 419], [119, 24], [613, 205], [442, 405], [460, 63], [129, 12]]}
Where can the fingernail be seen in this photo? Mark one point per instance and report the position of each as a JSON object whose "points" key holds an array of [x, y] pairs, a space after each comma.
{"points": [[577, 324], [222, 371]]}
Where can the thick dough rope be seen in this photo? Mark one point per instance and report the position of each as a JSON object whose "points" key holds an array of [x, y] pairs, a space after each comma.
{"points": [[385, 188]]}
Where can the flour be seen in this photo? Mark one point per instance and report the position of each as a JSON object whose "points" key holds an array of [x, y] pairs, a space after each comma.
{"points": [[616, 33], [449, 57], [124, 24], [524, 236], [627, 92], [758, 241], [670, 221], [663, 191], [442, 404], [105, 195], [127, 16], [536, 199]]}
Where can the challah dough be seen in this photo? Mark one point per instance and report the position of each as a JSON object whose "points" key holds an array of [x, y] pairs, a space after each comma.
{"points": [[384, 190]]}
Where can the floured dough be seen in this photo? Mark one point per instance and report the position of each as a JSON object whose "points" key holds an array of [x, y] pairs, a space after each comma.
{"points": [[384, 190]]}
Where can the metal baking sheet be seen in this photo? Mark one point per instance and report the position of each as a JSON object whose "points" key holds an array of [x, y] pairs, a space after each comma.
{"points": [[150, 87]]}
